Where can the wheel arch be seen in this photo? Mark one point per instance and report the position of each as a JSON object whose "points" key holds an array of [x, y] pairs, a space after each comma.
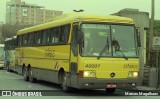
{"points": [[60, 75]]}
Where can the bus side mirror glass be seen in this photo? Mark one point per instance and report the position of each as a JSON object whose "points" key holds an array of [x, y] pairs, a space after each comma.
{"points": [[79, 37], [138, 38]]}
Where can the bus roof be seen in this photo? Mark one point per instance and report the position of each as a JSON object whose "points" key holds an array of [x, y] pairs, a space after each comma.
{"points": [[8, 39], [74, 17], [14, 37]]}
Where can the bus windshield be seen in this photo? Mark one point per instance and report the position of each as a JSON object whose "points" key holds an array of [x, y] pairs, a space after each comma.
{"points": [[105, 40]]}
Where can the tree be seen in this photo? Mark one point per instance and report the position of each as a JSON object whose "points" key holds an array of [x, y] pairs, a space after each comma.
{"points": [[157, 27], [9, 31]]}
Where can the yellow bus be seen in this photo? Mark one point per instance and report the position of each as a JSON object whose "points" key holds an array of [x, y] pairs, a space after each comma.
{"points": [[9, 50], [80, 51]]}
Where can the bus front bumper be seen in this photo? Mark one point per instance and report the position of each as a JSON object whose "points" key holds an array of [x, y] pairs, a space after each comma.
{"points": [[95, 83]]}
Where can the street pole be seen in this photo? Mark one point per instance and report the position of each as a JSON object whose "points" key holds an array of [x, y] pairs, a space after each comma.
{"points": [[151, 31]]}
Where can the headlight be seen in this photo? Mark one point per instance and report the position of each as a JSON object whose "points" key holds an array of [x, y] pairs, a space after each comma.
{"points": [[89, 74], [133, 74], [86, 74]]}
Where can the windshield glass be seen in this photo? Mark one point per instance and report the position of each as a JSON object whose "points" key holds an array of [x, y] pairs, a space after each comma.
{"points": [[96, 37], [123, 41], [108, 40]]}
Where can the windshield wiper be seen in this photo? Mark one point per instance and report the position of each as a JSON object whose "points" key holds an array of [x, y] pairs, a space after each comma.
{"points": [[102, 51], [124, 56]]}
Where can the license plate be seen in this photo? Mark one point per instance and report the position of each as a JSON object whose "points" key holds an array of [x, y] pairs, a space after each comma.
{"points": [[111, 86]]}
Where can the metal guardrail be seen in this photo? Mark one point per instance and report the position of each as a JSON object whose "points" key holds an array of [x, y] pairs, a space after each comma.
{"points": [[154, 59], [158, 80], [154, 62]]}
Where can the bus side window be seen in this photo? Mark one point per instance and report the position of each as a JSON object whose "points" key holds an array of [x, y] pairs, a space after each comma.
{"points": [[31, 39], [52, 33], [25, 39], [56, 37], [38, 37], [64, 34], [46, 36], [19, 40], [15, 43]]}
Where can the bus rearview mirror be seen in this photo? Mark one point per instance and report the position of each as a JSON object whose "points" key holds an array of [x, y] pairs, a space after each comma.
{"points": [[138, 38], [79, 37]]}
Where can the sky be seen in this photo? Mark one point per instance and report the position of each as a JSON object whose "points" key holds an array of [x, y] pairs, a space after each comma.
{"points": [[103, 7]]}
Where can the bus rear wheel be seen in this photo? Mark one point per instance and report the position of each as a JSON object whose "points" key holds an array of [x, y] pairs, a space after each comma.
{"points": [[30, 74], [25, 74]]}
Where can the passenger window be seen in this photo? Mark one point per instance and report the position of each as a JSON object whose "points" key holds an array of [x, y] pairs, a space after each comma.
{"points": [[31, 39], [64, 34], [52, 31], [56, 37], [19, 40], [46, 37], [25, 39], [67, 32], [38, 38]]}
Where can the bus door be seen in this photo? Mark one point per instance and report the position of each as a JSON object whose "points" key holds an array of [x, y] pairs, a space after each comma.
{"points": [[74, 51]]}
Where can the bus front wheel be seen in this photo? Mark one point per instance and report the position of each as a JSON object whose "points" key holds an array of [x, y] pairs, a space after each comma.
{"points": [[64, 83], [30, 74], [110, 90]]}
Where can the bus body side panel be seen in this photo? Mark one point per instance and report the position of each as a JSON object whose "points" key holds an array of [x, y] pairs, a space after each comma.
{"points": [[12, 59], [45, 61]]}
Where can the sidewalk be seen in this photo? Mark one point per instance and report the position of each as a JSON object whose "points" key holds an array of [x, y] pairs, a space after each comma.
{"points": [[147, 88]]}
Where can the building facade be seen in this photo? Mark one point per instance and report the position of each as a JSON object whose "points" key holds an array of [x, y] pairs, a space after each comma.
{"points": [[21, 13]]}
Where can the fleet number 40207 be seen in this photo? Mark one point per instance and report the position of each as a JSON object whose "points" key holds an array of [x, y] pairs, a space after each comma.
{"points": [[92, 65]]}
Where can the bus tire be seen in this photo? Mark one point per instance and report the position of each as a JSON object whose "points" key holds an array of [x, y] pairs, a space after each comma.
{"points": [[8, 69], [64, 84], [30, 75], [110, 90], [25, 74], [8, 66]]}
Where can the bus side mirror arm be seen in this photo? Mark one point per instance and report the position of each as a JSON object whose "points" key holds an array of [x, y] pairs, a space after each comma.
{"points": [[79, 37]]}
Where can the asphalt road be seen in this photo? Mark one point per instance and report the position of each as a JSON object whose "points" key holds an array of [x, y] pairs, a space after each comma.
{"points": [[13, 81]]}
